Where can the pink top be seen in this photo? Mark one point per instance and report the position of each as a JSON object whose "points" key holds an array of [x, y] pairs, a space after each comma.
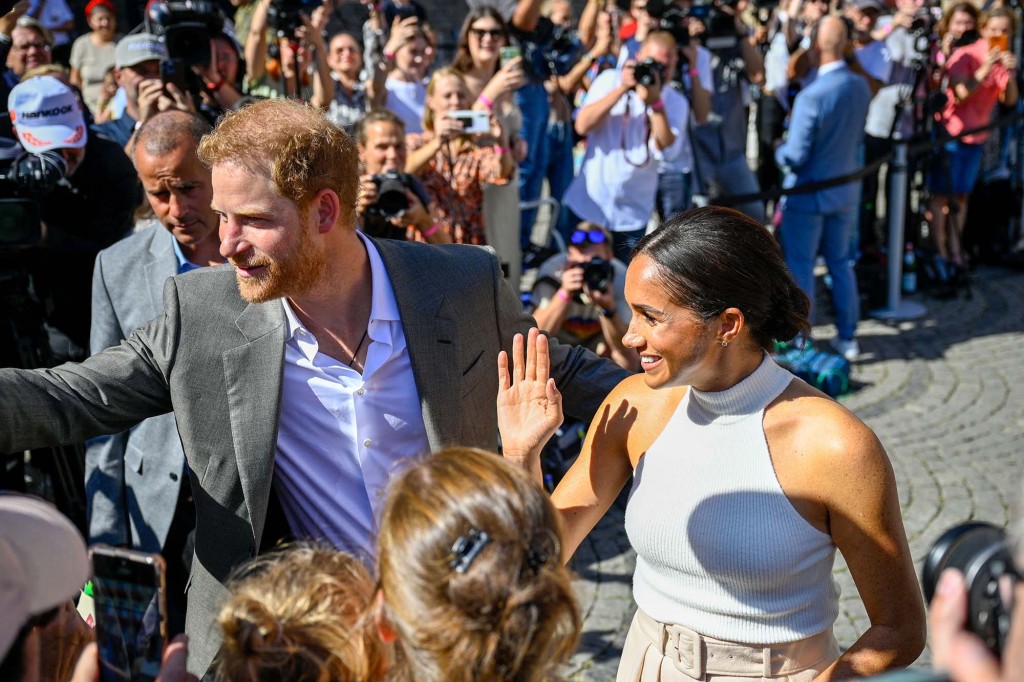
{"points": [[976, 110]]}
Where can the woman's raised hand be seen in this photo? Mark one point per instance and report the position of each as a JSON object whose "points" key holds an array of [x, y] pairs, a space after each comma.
{"points": [[529, 405]]}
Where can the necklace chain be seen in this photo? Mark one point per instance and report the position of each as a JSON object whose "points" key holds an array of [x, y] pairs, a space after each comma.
{"points": [[355, 353]]}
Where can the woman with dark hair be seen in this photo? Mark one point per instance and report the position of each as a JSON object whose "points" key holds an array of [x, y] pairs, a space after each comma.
{"points": [[490, 88], [745, 480]]}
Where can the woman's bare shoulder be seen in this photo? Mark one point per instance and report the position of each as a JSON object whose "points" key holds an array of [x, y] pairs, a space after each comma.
{"points": [[635, 413]]}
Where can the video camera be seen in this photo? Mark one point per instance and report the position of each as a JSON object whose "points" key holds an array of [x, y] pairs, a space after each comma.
{"points": [[392, 200], [720, 28], [284, 15], [25, 177], [983, 553], [186, 27]]}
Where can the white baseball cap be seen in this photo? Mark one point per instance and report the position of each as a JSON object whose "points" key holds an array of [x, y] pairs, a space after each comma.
{"points": [[43, 562], [46, 115]]}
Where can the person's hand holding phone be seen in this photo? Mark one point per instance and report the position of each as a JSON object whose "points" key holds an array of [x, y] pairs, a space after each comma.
{"points": [[446, 127], [402, 31], [174, 667]]}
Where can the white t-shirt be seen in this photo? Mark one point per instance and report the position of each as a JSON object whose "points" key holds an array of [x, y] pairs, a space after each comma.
{"points": [[619, 179], [407, 100]]}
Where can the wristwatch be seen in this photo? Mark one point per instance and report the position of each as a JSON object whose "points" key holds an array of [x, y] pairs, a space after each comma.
{"points": [[607, 312]]}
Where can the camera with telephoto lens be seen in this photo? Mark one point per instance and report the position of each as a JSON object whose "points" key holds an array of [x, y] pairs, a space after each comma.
{"points": [[284, 16], [982, 552], [648, 72], [597, 274], [185, 27], [392, 200]]}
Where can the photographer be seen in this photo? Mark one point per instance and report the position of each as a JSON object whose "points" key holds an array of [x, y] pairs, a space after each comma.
{"points": [[454, 164], [381, 143], [633, 124], [720, 144], [88, 212], [280, 66], [580, 296], [137, 70]]}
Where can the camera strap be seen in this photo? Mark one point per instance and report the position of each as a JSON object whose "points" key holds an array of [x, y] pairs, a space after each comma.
{"points": [[647, 135]]}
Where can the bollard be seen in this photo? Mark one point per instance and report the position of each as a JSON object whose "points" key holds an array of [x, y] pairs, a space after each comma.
{"points": [[896, 205]]}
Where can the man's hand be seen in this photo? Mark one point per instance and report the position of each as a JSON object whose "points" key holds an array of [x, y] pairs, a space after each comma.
{"points": [[10, 20], [572, 279], [628, 75], [604, 298], [367, 194], [650, 94], [961, 653]]}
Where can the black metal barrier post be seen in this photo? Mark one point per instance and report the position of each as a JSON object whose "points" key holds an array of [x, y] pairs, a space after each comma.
{"points": [[896, 204]]}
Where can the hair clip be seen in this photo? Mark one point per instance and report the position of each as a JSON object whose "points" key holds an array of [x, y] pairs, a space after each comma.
{"points": [[536, 558], [466, 549]]}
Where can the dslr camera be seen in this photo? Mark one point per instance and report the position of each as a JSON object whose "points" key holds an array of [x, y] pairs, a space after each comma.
{"points": [[392, 200], [648, 72], [597, 273], [185, 27], [284, 15], [983, 553]]}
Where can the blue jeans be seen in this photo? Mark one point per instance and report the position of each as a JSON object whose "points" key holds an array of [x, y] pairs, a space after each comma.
{"points": [[673, 193], [533, 102], [803, 236], [559, 169]]}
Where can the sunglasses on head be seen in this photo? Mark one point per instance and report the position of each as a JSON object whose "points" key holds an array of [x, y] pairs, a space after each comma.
{"points": [[593, 236]]}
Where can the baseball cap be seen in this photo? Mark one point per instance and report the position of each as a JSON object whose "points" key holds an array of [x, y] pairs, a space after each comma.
{"points": [[138, 48], [46, 115], [43, 562]]}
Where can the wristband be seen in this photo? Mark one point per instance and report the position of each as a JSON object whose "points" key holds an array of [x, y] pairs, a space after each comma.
{"points": [[658, 106], [390, 56], [433, 229], [501, 151], [607, 312], [486, 101], [694, 72], [214, 87], [562, 296]]}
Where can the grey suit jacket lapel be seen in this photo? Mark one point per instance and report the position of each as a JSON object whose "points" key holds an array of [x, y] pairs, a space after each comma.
{"points": [[431, 336], [160, 265], [253, 376]]}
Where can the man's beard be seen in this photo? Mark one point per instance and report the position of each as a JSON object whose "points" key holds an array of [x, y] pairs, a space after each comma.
{"points": [[295, 273]]}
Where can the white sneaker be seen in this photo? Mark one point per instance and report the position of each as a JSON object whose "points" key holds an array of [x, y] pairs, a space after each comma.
{"points": [[848, 349]]}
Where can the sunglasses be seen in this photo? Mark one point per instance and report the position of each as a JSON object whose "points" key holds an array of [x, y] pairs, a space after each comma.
{"points": [[593, 236], [492, 32]]}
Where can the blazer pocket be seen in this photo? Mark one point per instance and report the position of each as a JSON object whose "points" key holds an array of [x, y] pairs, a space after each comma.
{"points": [[472, 375], [133, 458]]}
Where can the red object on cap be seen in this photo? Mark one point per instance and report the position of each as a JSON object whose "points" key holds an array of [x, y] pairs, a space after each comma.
{"points": [[93, 4]]}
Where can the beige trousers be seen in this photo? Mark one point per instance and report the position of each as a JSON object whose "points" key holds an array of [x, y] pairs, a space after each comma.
{"points": [[656, 652]]}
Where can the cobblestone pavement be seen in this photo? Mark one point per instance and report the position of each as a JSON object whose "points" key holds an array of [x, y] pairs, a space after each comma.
{"points": [[945, 394]]}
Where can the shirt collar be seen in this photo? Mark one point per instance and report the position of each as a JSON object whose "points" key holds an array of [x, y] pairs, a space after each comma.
{"points": [[184, 264], [830, 67], [383, 305]]}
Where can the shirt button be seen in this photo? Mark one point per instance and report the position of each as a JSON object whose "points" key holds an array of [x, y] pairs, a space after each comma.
{"points": [[367, 443], [360, 392], [380, 493]]}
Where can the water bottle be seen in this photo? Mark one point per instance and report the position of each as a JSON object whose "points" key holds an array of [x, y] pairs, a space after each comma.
{"points": [[909, 270]]}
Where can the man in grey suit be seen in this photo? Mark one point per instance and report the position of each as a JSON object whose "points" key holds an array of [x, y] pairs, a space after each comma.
{"points": [[135, 481], [304, 374]]}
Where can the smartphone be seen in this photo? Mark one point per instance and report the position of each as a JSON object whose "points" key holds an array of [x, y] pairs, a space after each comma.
{"points": [[1001, 43], [130, 608], [507, 54], [173, 71], [473, 122]]}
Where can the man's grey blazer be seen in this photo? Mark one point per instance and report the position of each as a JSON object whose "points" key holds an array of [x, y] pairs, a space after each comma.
{"points": [[132, 478], [217, 361]]}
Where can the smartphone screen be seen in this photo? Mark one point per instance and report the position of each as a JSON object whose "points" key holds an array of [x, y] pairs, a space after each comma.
{"points": [[173, 71], [129, 606], [999, 43], [507, 54]]}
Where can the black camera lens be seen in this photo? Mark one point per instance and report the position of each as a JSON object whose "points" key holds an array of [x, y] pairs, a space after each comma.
{"points": [[647, 72], [597, 274], [981, 552], [391, 197]]}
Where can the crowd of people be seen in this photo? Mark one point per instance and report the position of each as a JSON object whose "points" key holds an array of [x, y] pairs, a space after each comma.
{"points": [[294, 370]]}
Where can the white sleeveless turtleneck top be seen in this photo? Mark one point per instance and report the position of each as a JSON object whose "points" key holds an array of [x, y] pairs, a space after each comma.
{"points": [[720, 549]]}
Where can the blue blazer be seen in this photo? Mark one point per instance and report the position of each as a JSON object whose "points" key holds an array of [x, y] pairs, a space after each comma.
{"points": [[825, 131]]}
